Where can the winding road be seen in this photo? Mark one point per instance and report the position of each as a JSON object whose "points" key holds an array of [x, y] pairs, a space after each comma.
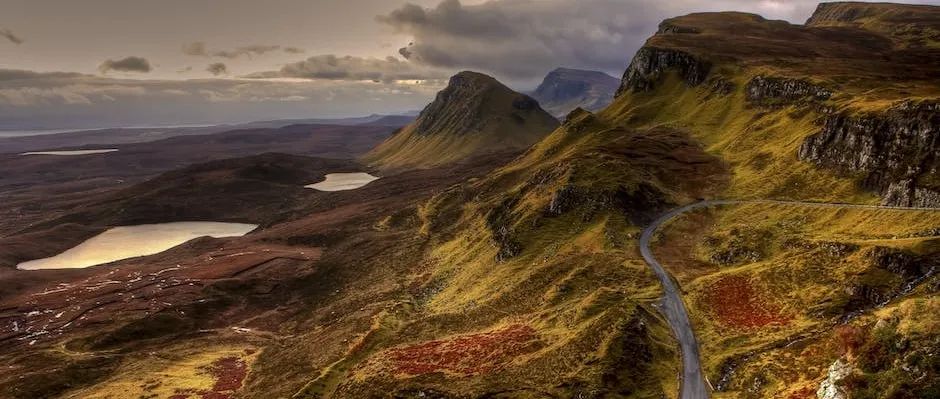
{"points": [[692, 383]]}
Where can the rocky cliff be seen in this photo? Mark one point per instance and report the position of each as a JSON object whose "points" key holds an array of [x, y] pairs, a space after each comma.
{"points": [[777, 91], [475, 114], [897, 152], [565, 89], [650, 63]]}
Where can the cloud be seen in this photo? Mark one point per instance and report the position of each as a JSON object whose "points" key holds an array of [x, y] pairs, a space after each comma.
{"points": [[127, 64], [69, 100], [199, 49], [249, 51], [9, 35], [523, 39], [195, 49], [332, 67], [217, 68]]}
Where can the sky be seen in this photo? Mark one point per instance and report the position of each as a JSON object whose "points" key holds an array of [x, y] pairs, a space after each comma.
{"points": [[98, 63]]}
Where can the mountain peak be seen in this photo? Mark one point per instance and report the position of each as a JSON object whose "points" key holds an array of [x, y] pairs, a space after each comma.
{"points": [[565, 89], [474, 114]]}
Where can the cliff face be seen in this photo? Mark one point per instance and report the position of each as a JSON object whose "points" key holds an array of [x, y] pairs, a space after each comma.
{"points": [[650, 63], [771, 90], [475, 114], [897, 151], [565, 89]]}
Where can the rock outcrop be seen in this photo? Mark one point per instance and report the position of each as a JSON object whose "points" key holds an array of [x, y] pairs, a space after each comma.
{"points": [[564, 90], [897, 152], [669, 27], [892, 272], [500, 222], [830, 388], [781, 91], [650, 63]]}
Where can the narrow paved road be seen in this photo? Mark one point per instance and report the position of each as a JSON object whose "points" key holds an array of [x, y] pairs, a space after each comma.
{"points": [[692, 385]]}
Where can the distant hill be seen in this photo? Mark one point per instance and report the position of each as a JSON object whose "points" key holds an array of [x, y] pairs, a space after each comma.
{"points": [[565, 89], [474, 115], [129, 135], [391, 121]]}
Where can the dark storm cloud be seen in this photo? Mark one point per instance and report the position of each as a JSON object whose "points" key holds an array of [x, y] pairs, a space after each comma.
{"points": [[523, 39], [332, 67], [127, 64], [9, 35], [217, 68]]}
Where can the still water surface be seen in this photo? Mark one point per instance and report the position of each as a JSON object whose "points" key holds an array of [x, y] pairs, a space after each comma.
{"points": [[71, 152], [131, 241], [343, 181]]}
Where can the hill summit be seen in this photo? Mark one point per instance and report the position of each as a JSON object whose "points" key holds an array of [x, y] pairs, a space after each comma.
{"points": [[474, 115], [565, 89]]}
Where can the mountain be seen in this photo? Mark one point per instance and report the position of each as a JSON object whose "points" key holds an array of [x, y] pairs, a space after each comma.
{"points": [[565, 89], [474, 115], [906, 25]]}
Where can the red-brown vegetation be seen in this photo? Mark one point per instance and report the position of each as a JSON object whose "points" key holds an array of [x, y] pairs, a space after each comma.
{"points": [[803, 393], [850, 338], [738, 304], [229, 372], [465, 354]]}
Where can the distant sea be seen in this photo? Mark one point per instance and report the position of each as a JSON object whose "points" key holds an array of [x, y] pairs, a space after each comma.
{"points": [[24, 133]]}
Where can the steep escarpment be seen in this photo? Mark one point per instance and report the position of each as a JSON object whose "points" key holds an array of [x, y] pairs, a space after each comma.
{"points": [[473, 115], [565, 89], [650, 63], [897, 151]]}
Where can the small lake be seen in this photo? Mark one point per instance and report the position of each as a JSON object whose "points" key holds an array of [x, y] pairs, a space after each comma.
{"points": [[343, 181], [72, 152], [132, 241]]}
